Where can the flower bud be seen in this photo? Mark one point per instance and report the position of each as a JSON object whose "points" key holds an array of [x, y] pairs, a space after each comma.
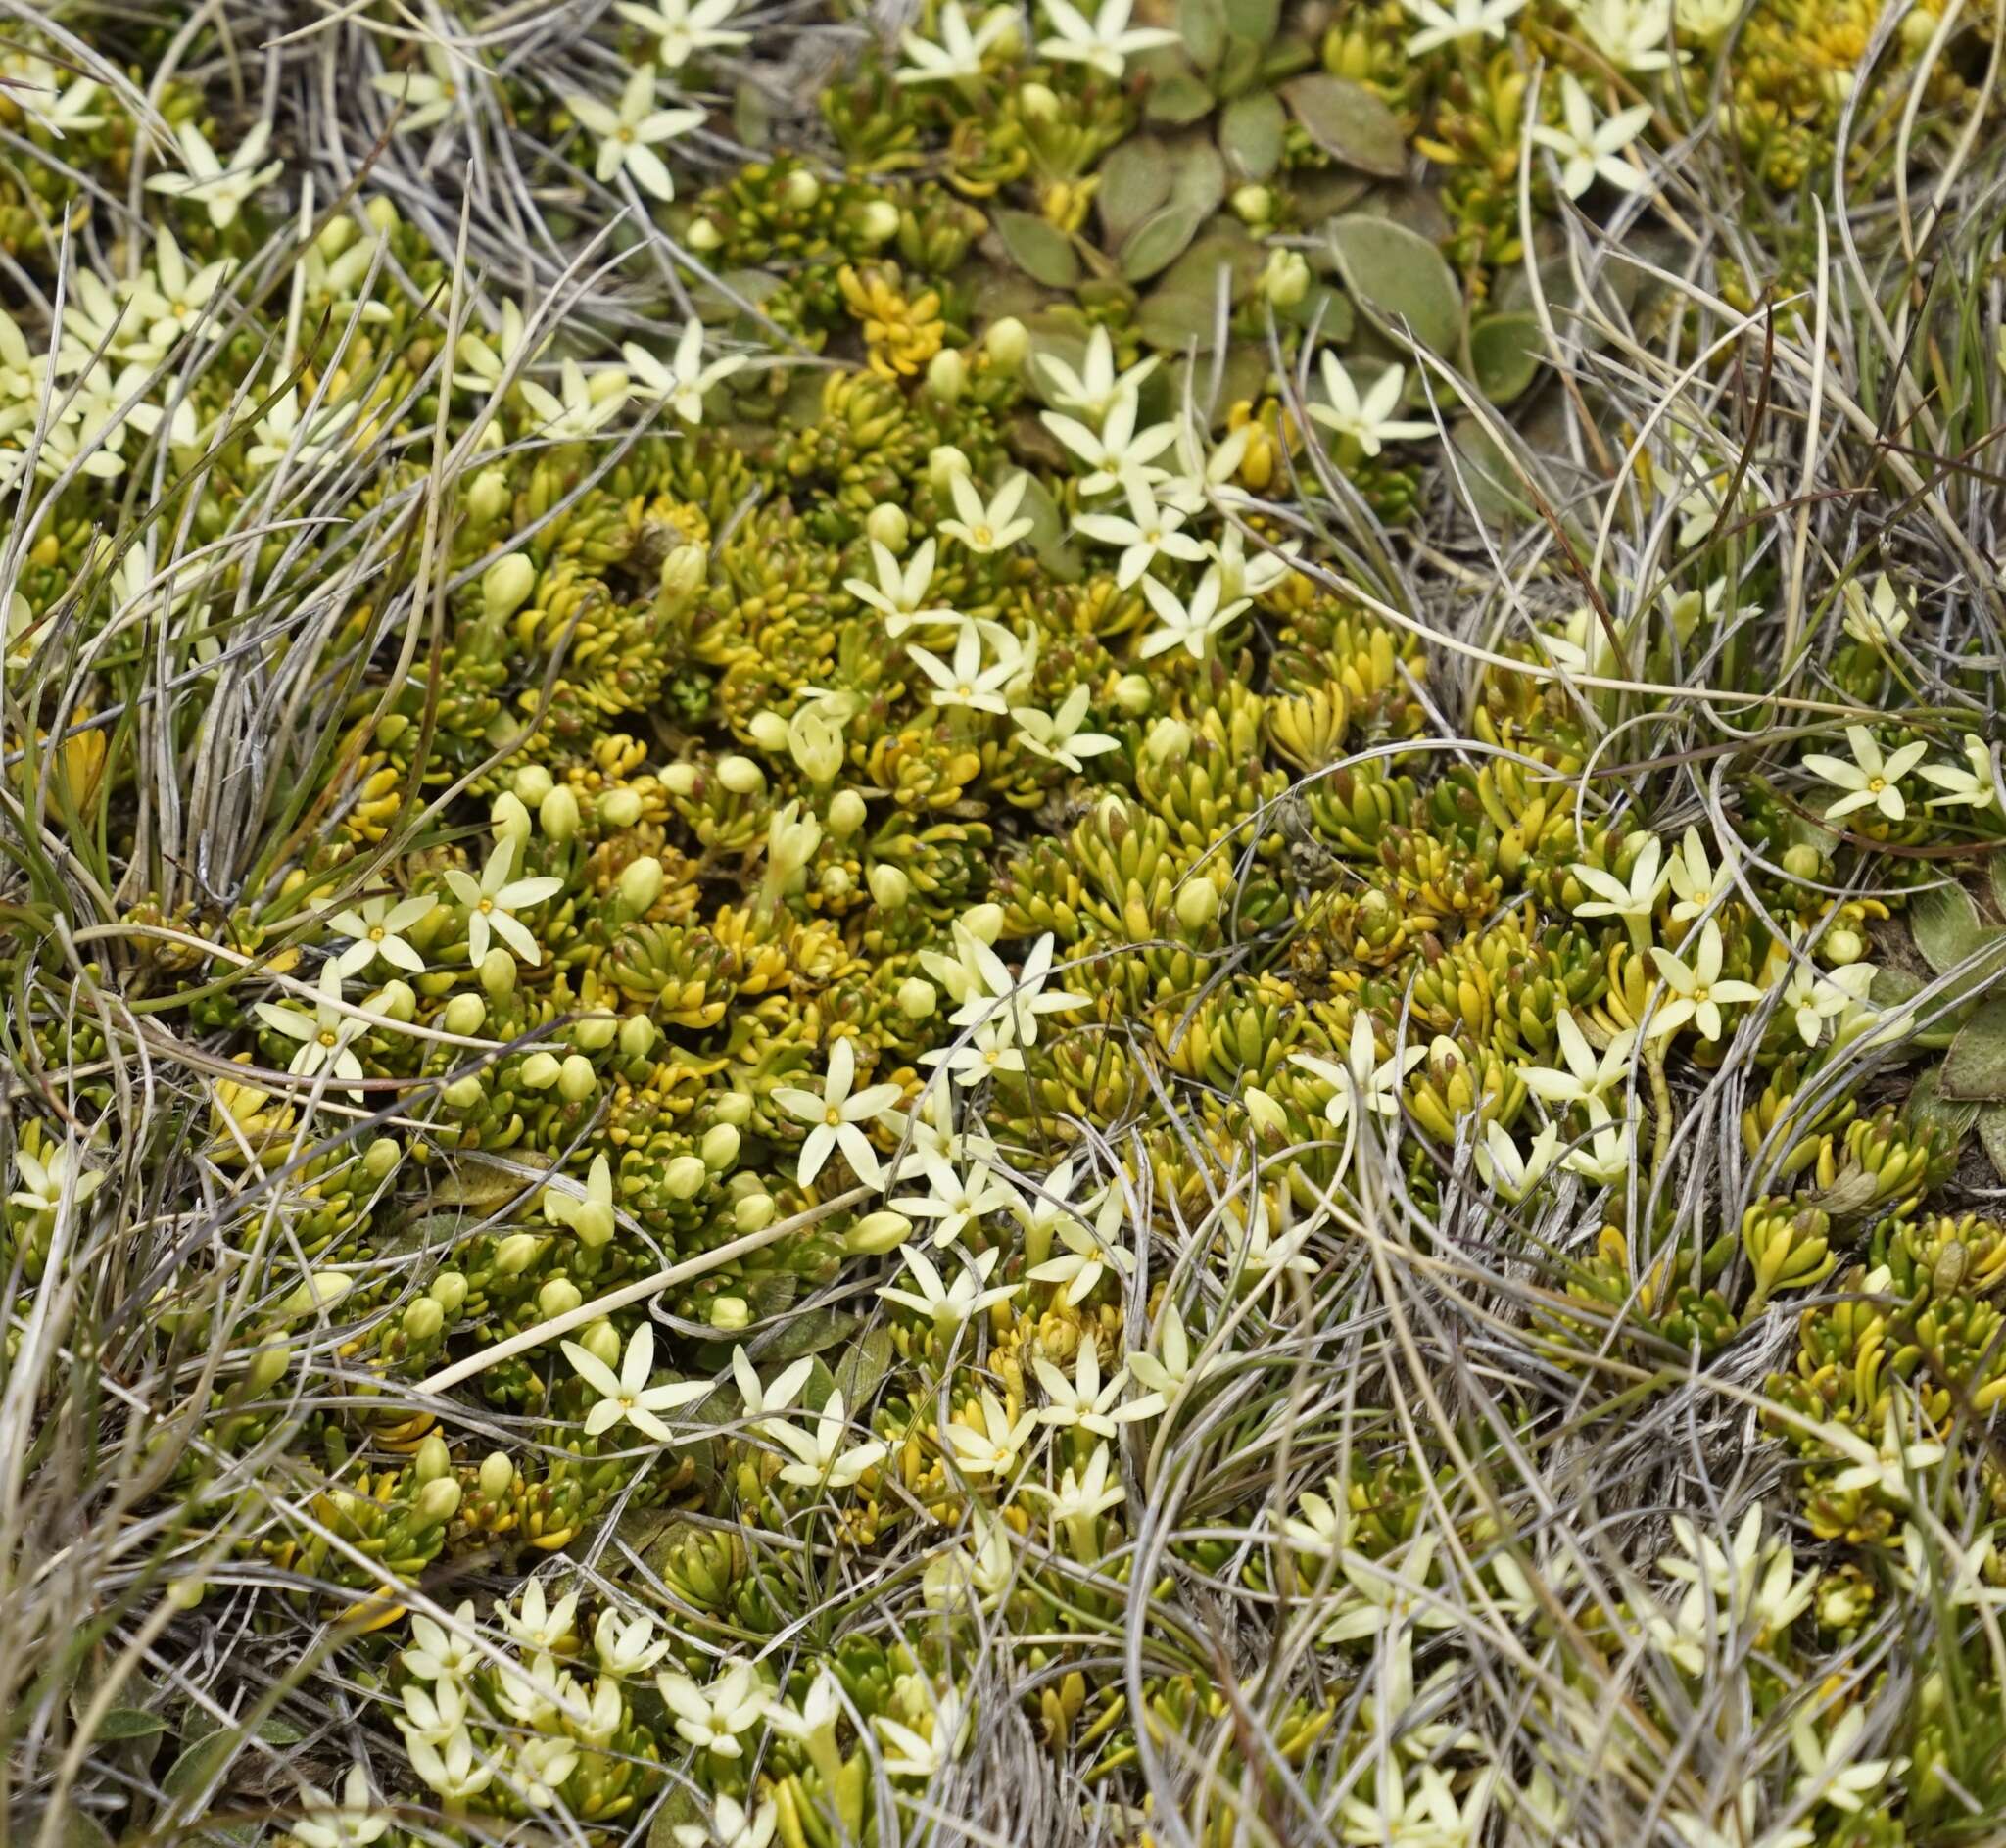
{"points": [[889, 885], [1197, 903], [1037, 102], [1266, 1114], [336, 236], [1841, 945], [1285, 281], [424, 1320], [947, 375], [269, 1366], [603, 1342], [621, 808], [506, 585], [558, 1296], [719, 1147], [517, 1253], [734, 1108], [464, 1015], [877, 1233], [678, 780], [730, 1314], [380, 1158], [538, 1070], [1135, 696], [432, 1459], [575, 1079], [508, 819], [983, 922], [641, 883], [888, 526], [557, 814], [1168, 741], [1008, 343], [769, 732], [685, 570], [1253, 204], [637, 1036], [800, 189], [685, 1176], [815, 742], [792, 840], [438, 1501], [382, 215], [877, 220], [448, 1291], [741, 776], [1801, 859], [498, 1475], [489, 496], [702, 236], [835, 884], [321, 1291], [943, 464], [462, 1094], [753, 1214], [847, 813], [531, 783], [497, 974], [917, 998], [396, 1000], [595, 1032]]}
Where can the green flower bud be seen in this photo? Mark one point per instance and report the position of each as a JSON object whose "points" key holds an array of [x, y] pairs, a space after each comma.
{"points": [[424, 1320], [396, 1000], [575, 1079], [702, 236], [887, 524], [730, 1314], [380, 1158], [641, 883], [1253, 204], [336, 236], [558, 1296], [1134, 694], [269, 1366], [680, 778], [983, 922], [734, 1108], [438, 1501], [497, 974], [800, 189], [382, 215], [741, 776], [889, 885], [1842, 945], [498, 1475], [321, 1291], [1285, 280], [464, 1015], [917, 998], [1168, 741], [603, 1342], [877, 1233], [621, 808], [592, 1224], [719, 1147], [835, 883], [815, 742], [847, 813], [637, 1036], [489, 496], [532, 783], [877, 220], [947, 375], [685, 570], [1008, 343], [462, 1094], [943, 464], [506, 585], [557, 814], [433, 1459], [448, 1291], [517, 1253], [769, 732], [1038, 103], [595, 1032], [685, 1176], [540, 1070], [753, 1214], [508, 819], [1801, 861]]}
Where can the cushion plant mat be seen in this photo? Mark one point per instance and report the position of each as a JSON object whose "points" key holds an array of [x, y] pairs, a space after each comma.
{"points": [[1030, 924]]}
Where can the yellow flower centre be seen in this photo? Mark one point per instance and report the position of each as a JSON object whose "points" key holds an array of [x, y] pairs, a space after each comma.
{"points": [[831, 1117], [377, 933], [329, 1038], [1875, 785], [982, 535], [486, 905]]}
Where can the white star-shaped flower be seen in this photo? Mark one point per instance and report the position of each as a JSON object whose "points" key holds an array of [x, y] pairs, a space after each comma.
{"points": [[493, 900], [220, 189], [1461, 18], [1366, 422], [630, 134], [1104, 43], [1589, 150], [837, 1116], [686, 380], [1191, 625], [958, 55], [992, 526], [626, 1397], [1697, 993], [1148, 532], [680, 30], [1870, 781]]}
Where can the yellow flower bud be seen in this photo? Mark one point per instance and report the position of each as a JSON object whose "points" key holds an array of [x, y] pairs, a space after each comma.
{"points": [[621, 808], [947, 375], [801, 189], [943, 464], [498, 1475], [540, 1070], [877, 1233], [637, 1036], [753, 1214], [847, 813], [983, 922], [497, 972], [769, 732], [603, 1342], [433, 1459], [595, 1032], [734, 1108], [684, 1177], [558, 1296], [557, 814], [641, 883], [464, 1015], [888, 526], [575, 1079], [438, 1501], [730, 1314], [1008, 343], [917, 998], [889, 885], [532, 783], [448, 1291], [506, 585], [719, 1147], [741, 776], [462, 1094]]}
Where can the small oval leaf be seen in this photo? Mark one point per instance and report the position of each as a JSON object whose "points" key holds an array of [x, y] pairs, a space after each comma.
{"points": [[1134, 180], [1505, 353], [1403, 276], [1203, 23], [129, 1723], [1038, 249], [1172, 318], [1945, 925], [1975, 1067], [1158, 240], [1347, 122], [1177, 100], [1250, 133]]}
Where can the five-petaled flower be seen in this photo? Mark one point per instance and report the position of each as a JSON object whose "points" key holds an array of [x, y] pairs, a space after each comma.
{"points": [[1591, 150], [837, 1116], [629, 135], [1697, 993], [493, 900], [626, 1397], [1367, 420], [1870, 781]]}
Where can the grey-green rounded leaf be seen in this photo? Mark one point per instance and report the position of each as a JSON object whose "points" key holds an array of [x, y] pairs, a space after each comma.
{"points": [[1134, 180], [1975, 1067], [1177, 100], [1040, 251], [1203, 23], [1347, 122], [1403, 276], [1158, 240], [1250, 133], [1505, 353]]}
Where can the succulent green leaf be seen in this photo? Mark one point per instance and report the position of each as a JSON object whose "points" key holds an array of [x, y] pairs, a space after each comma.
{"points": [[1134, 180], [1203, 23]]}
